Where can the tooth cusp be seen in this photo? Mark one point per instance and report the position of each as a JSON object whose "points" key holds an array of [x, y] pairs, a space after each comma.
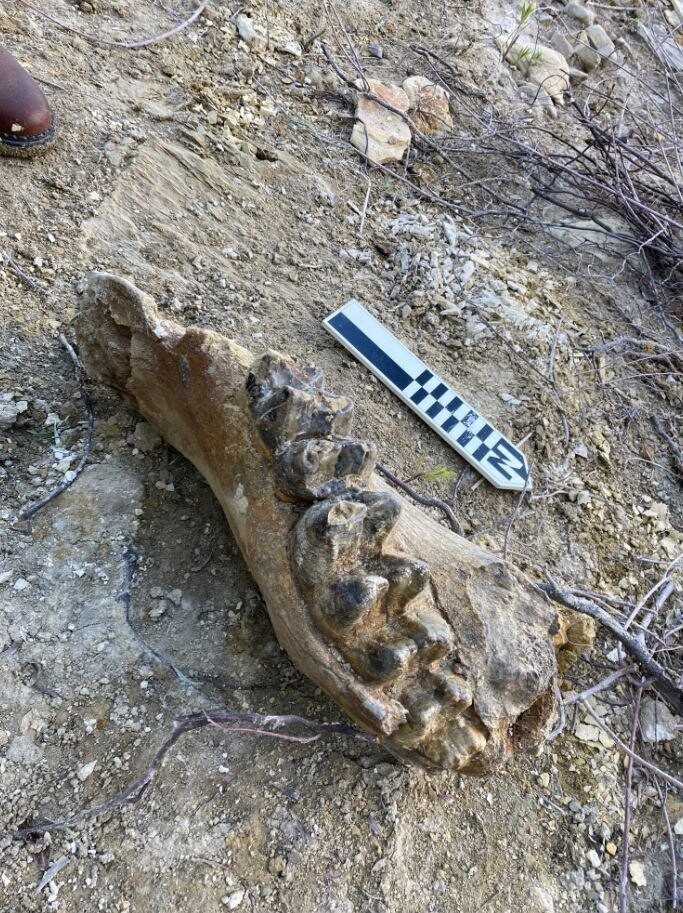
{"points": [[431, 633], [385, 661], [453, 689], [288, 402], [407, 578], [318, 468], [424, 713], [384, 510], [353, 598]]}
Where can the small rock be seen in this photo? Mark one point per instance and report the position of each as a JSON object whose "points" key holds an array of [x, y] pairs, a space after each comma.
{"points": [[159, 609], [541, 65], [678, 828], [587, 58], [376, 50], [636, 870], [546, 904], [611, 848], [594, 858], [657, 722], [249, 33], [233, 901], [293, 48], [175, 596], [544, 780], [580, 12], [600, 40], [559, 43], [21, 584], [429, 107], [146, 438], [8, 415], [84, 772], [379, 133]]}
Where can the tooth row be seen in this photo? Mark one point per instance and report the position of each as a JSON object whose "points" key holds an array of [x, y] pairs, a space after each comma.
{"points": [[377, 608], [306, 430]]}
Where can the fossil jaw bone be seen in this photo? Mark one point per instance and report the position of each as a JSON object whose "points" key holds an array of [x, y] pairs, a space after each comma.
{"points": [[420, 636]]}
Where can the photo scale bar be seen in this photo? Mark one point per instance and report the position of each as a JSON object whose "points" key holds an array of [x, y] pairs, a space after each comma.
{"points": [[429, 396]]}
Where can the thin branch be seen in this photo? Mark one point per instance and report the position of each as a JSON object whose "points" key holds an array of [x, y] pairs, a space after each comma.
{"points": [[675, 450], [421, 499], [227, 721], [648, 765], [671, 693], [31, 511], [130, 45], [602, 685], [672, 846], [25, 278], [623, 872]]}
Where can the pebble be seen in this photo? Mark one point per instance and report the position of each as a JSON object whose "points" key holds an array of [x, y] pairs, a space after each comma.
{"points": [[9, 412], [379, 133], [587, 58], [580, 12], [248, 32], [429, 108], [233, 901], [159, 609], [560, 44], [594, 858], [600, 40], [293, 48], [636, 870], [84, 772], [21, 584], [657, 722]]}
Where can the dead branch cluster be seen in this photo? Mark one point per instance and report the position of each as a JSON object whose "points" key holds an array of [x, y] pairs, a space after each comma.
{"points": [[606, 177], [650, 637]]}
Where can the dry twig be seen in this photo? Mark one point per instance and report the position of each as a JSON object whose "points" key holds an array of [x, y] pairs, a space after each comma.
{"points": [[674, 449], [33, 509], [421, 499], [661, 681], [229, 721], [623, 873], [129, 45], [643, 762]]}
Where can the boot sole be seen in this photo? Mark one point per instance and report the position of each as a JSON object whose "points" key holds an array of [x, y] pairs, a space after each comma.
{"points": [[27, 147]]}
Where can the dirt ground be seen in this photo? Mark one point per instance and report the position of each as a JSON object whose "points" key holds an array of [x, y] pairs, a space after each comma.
{"points": [[222, 182]]}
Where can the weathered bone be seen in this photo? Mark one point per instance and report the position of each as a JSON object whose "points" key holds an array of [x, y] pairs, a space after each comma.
{"points": [[420, 636]]}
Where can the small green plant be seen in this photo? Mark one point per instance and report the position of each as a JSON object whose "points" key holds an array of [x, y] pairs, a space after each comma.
{"points": [[438, 474], [526, 55], [526, 11]]}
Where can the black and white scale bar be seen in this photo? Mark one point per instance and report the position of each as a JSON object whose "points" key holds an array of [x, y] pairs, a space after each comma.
{"points": [[429, 396]]}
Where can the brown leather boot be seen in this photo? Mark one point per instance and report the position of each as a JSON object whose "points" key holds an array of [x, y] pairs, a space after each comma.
{"points": [[26, 121]]}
